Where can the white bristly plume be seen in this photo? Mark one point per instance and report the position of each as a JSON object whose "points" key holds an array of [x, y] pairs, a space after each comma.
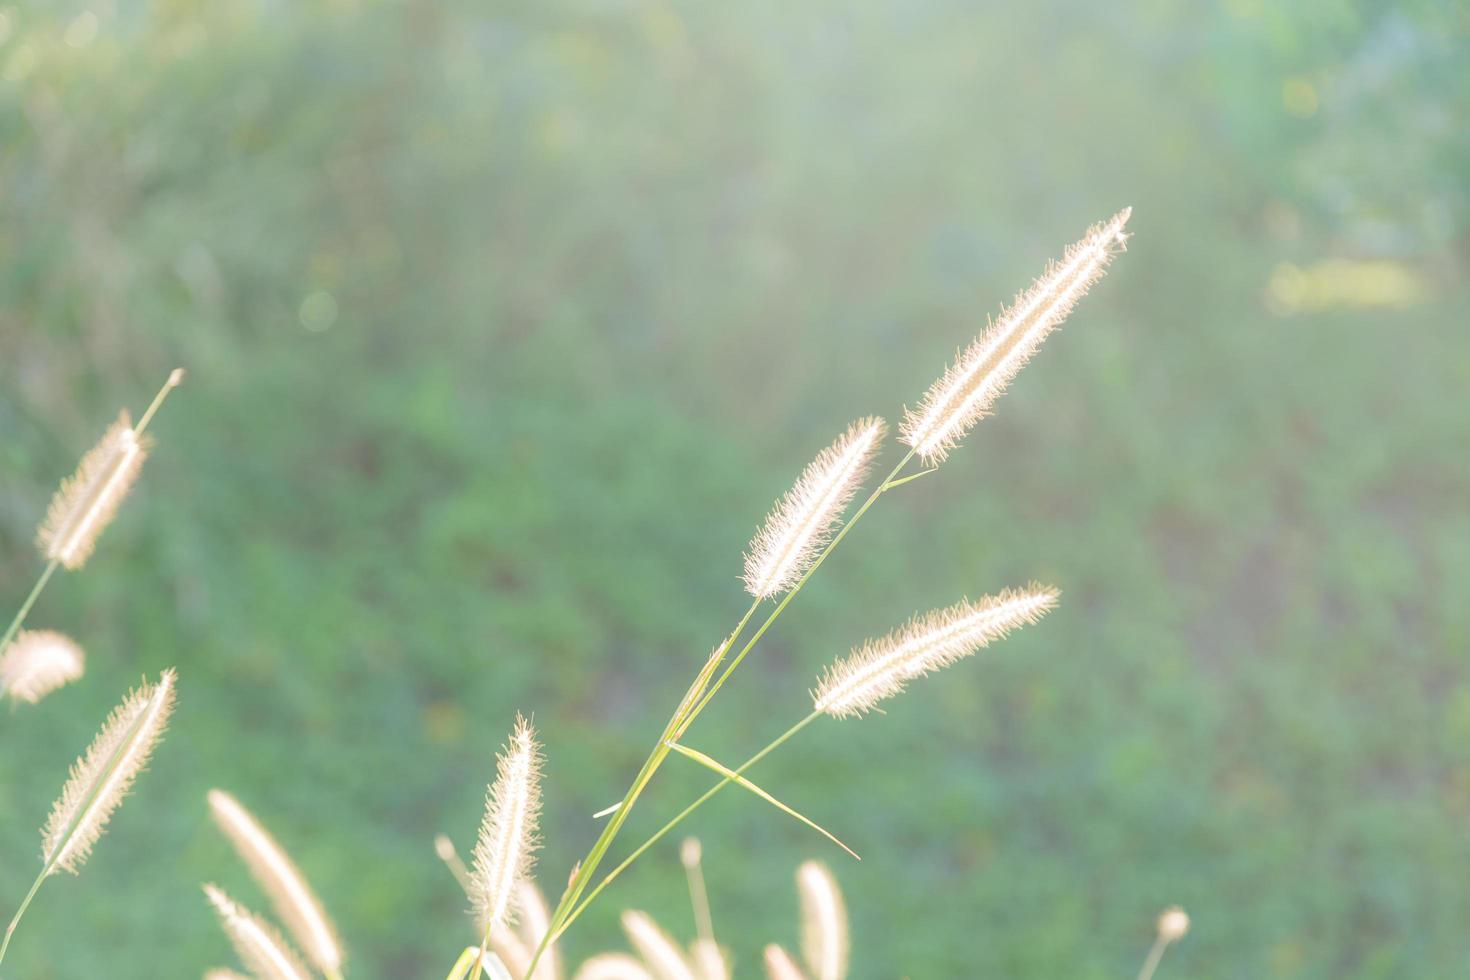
{"points": [[262, 950], [662, 955], [824, 940], [802, 521], [290, 895], [87, 500], [964, 395], [532, 923], [613, 966], [507, 841], [101, 778], [780, 965], [220, 973], [37, 662], [709, 960], [880, 668]]}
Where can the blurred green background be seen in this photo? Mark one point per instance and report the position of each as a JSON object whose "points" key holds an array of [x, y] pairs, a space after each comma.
{"points": [[507, 322]]}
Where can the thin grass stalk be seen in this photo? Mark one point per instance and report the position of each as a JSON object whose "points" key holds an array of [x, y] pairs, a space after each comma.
{"points": [[655, 758], [691, 855], [678, 819], [25, 609]]}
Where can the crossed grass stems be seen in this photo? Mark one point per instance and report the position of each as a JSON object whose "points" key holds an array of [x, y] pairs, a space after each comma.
{"points": [[696, 699]]}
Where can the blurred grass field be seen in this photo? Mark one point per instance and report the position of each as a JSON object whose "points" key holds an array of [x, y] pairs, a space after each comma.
{"points": [[506, 324]]}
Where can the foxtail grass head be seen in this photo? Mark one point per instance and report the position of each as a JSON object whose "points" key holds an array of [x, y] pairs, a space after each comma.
{"points": [[102, 777], [881, 668], [780, 965], [37, 662], [88, 500], [504, 852], [801, 523], [665, 960], [290, 895], [612, 966], [824, 935], [966, 392], [710, 962], [265, 954]]}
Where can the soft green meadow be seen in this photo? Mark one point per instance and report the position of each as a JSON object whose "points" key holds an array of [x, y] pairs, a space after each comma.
{"points": [[505, 325]]}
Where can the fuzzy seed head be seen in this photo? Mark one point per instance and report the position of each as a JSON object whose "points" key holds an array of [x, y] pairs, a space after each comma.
{"points": [[292, 898], [880, 668], [802, 521], [966, 392], [612, 966], [662, 954], [37, 662], [264, 953], [102, 777], [824, 937], [220, 973], [87, 501], [507, 843], [690, 852], [709, 960], [1173, 924], [533, 921], [780, 965]]}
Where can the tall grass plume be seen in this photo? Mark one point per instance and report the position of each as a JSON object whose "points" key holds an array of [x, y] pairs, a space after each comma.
{"points": [[505, 850], [264, 953], [966, 392], [801, 523], [880, 668], [37, 662], [290, 894]]}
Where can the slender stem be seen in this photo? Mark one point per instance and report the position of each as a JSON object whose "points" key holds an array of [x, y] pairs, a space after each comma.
{"points": [[174, 379], [10, 929], [679, 818], [650, 765], [1154, 955], [25, 608], [462, 965], [704, 922]]}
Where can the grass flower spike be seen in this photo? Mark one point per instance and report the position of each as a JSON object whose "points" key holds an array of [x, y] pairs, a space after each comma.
{"points": [[824, 938], [99, 781], [780, 965], [87, 501], [507, 842], [101, 778], [262, 950], [802, 521], [662, 955], [290, 895], [709, 960], [964, 395], [37, 662], [880, 668], [613, 966]]}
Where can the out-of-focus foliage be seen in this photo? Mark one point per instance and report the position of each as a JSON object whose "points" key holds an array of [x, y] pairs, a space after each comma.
{"points": [[505, 324]]}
